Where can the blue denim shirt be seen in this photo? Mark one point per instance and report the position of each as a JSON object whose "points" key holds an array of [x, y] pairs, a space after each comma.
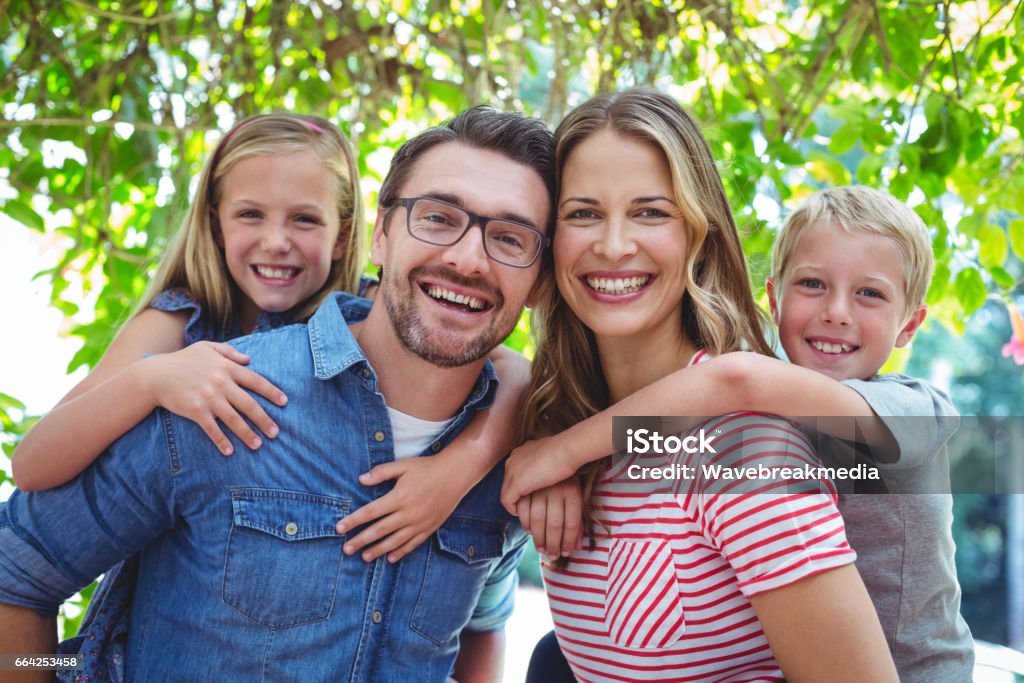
{"points": [[241, 574]]}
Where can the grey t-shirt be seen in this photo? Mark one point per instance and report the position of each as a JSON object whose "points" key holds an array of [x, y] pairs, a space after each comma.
{"points": [[904, 538]]}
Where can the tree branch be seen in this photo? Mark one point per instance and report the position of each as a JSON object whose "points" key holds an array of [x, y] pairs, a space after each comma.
{"points": [[880, 32], [976, 38], [952, 48], [109, 123], [919, 86], [129, 18], [797, 128], [755, 58]]}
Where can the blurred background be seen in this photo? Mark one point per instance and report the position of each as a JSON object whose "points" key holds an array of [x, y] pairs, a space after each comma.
{"points": [[110, 108]]}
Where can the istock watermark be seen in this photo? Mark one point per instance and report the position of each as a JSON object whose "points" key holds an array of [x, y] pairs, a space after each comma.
{"points": [[647, 441], [753, 452]]}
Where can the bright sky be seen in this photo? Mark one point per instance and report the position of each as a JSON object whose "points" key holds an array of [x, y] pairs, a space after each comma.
{"points": [[33, 355]]}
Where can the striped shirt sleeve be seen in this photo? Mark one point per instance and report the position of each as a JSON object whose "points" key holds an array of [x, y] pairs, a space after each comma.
{"points": [[781, 524]]}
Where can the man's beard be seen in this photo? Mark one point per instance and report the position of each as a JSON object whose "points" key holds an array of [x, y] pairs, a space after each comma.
{"points": [[444, 348]]}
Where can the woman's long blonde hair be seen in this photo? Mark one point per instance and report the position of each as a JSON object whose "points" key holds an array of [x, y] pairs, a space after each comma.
{"points": [[193, 260], [719, 313]]}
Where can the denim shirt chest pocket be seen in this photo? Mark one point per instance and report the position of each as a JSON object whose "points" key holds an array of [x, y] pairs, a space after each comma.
{"points": [[462, 554], [283, 555]]}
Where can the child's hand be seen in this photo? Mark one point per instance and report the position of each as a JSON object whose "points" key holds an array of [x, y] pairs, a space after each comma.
{"points": [[553, 517], [533, 466], [206, 382], [405, 517]]}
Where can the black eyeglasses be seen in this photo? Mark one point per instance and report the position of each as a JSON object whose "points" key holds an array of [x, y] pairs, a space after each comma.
{"points": [[442, 224]]}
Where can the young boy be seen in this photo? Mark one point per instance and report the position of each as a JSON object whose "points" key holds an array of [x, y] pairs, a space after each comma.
{"points": [[850, 270]]}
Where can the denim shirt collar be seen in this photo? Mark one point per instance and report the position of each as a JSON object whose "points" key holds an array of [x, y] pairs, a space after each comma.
{"points": [[335, 350], [331, 341]]}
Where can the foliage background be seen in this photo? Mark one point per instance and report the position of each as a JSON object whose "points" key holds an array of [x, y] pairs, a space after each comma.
{"points": [[110, 107]]}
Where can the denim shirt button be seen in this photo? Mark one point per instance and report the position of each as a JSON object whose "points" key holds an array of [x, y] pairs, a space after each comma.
{"points": [[377, 616], [436, 446], [378, 436], [471, 551], [366, 373], [291, 528]]}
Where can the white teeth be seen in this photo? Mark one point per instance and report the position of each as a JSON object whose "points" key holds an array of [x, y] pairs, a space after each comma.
{"points": [[827, 347], [618, 285], [277, 273], [441, 293]]}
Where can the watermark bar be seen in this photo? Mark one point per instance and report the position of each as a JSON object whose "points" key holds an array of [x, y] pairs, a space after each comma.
{"points": [[755, 453], [69, 662]]}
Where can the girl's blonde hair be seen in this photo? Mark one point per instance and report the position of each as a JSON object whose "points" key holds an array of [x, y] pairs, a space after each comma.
{"points": [[719, 313], [193, 260]]}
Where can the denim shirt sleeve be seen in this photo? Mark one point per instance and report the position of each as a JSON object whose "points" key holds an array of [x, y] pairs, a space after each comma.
{"points": [[497, 600], [52, 543]]}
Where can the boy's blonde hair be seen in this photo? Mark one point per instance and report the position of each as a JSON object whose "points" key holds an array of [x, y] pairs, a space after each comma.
{"points": [[857, 207], [193, 260]]}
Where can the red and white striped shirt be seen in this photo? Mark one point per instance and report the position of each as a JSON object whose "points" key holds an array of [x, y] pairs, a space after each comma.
{"points": [[664, 594]]}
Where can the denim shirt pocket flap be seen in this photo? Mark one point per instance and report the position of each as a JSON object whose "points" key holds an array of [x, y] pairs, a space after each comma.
{"points": [[464, 552], [283, 555], [472, 539], [288, 515]]}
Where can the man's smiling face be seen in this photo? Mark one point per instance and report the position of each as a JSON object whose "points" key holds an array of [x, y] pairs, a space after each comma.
{"points": [[451, 305]]}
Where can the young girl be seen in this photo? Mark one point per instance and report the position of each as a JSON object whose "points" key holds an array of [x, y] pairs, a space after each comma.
{"points": [[255, 252], [685, 582], [276, 225]]}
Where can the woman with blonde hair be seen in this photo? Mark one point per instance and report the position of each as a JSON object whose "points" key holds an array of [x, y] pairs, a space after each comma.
{"points": [[683, 580]]}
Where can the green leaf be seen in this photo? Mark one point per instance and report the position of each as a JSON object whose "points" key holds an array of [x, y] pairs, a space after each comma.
{"points": [[1001, 277], [451, 95], [977, 138], [24, 214], [932, 184], [971, 224], [910, 155], [970, 290], [940, 242], [939, 284], [8, 402], [827, 169], [869, 169], [860, 62], [786, 153], [901, 186], [29, 174], [845, 138], [992, 248], [1016, 232]]}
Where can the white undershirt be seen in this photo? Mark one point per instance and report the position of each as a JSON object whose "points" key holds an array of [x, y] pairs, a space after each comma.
{"points": [[413, 436]]}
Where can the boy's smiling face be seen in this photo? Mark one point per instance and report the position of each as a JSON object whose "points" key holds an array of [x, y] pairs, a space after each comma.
{"points": [[841, 303]]}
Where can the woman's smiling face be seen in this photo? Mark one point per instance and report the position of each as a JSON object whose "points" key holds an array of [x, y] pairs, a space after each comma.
{"points": [[621, 244]]}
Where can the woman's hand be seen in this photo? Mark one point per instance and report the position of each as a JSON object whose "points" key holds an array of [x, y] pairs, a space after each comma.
{"points": [[534, 465], [207, 382], [425, 494], [553, 517]]}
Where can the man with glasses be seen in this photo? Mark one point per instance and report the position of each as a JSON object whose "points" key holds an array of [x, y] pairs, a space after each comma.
{"points": [[242, 575]]}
